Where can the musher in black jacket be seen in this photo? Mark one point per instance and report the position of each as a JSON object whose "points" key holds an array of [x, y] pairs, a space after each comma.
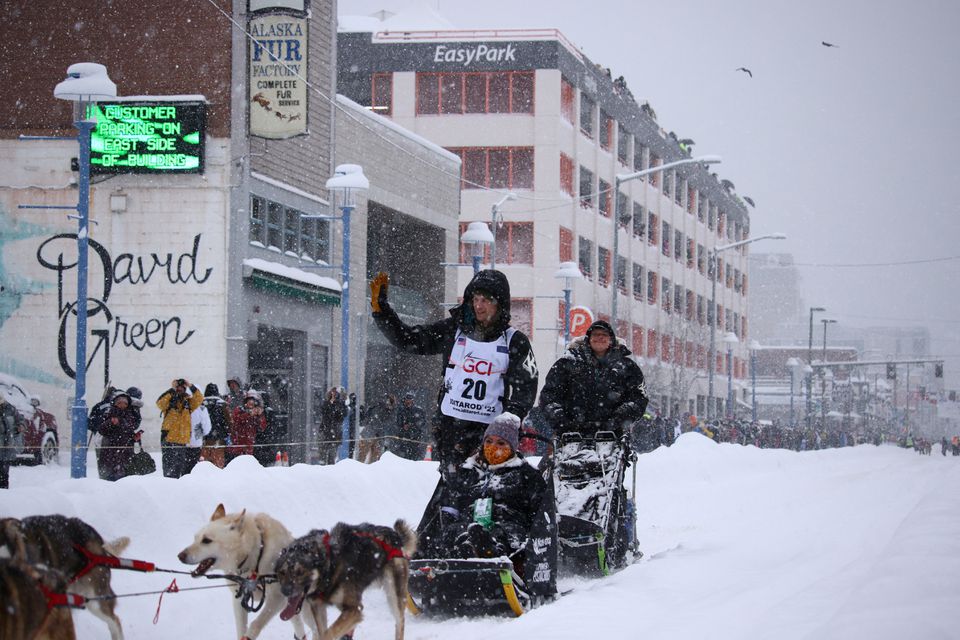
{"points": [[488, 366], [488, 507], [594, 386]]}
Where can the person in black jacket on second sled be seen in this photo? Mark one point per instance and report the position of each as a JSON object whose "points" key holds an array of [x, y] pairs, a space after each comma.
{"points": [[594, 386], [488, 366]]}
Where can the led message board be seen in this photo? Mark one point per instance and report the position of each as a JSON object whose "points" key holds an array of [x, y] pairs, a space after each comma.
{"points": [[148, 137]]}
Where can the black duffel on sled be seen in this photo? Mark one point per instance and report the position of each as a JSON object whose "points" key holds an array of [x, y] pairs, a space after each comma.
{"points": [[595, 519], [449, 586]]}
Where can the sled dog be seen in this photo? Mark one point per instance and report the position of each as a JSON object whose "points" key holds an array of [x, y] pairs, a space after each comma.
{"points": [[243, 544], [336, 567], [25, 614], [54, 542]]}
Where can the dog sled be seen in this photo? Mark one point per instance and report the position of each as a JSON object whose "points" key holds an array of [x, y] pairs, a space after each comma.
{"points": [[595, 519], [443, 585]]}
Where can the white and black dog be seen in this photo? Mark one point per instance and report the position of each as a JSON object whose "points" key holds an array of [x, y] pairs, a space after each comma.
{"points": [[243, 544]]}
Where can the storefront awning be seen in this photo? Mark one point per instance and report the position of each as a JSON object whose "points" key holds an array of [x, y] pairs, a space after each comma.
{"points": [[291, 282]]}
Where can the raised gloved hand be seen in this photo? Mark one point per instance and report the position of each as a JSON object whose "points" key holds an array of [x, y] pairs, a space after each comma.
{"points": [[378, 291]]}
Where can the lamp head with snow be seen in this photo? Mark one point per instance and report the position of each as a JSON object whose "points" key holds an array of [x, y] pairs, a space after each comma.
{"points": [[731, 338], [347, 180], [477, 233], [568, 270], [86, 82]]}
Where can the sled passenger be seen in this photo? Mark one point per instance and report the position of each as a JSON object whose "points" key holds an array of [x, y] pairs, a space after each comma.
{"points": [[488, 507], [594, 386], [488, 366]]}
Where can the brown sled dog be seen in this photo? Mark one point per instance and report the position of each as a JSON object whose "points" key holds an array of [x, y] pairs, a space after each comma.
{"points": [[52, 542], [25, 614], [336, 567]]}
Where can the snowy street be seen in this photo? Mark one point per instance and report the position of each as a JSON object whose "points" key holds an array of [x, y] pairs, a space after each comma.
{"points": [[740, 543]]}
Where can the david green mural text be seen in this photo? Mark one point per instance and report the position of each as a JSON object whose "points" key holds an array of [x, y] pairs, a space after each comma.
{"points": [[126, 269]]}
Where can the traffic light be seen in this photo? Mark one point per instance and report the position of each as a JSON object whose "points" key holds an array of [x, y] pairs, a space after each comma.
{"points": [[938, 370], [891, 371]]}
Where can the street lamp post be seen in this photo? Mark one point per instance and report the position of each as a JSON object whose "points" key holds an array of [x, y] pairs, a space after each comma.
{"points": [[827, 377], [808, 374], [619, 179], [495, 219], [86, 83], [712, 311], [792, 364], [347, 181], [825, 322], [569, 271], [731, 339], [810, 363], [476, 237], [754, 346]]}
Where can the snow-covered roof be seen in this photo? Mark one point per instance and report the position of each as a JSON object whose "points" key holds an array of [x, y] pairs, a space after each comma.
{"points": [[416, 16], [187, 97], [390, 124], [287, 187], [291, 273]]}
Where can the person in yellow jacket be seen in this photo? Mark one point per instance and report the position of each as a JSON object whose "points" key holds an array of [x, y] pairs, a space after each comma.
{"points": [[176, 404]]}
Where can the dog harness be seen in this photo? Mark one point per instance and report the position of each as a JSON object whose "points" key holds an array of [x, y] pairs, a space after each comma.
{"points": [[94, 560], [392, 552], [61, 599]]}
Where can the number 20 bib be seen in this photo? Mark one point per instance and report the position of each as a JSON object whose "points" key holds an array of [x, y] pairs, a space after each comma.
{"points": [[474, 378]]}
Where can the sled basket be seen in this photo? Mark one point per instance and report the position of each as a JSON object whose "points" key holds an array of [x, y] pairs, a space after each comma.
{"points": [[477, 586]]}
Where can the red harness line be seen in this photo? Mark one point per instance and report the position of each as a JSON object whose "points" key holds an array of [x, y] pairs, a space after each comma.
{"points": [[392, 552], [61, 599], [94, 560]]}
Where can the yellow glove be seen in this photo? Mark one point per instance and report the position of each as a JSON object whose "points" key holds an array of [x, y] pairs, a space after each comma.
{"points": [[378, 291]]}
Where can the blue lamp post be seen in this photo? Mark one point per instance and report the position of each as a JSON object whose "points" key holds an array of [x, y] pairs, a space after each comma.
{"points": [[86, 83], [347, 181], [569, 271]]}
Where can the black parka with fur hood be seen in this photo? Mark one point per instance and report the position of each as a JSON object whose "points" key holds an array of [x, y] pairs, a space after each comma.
{"points": [[520, 380], [587, 394]]}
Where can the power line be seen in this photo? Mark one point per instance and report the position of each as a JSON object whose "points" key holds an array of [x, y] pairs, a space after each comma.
{"points": [[861, 264]]}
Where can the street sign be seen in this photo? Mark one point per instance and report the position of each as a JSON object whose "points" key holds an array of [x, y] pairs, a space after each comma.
{"points": [[580, 320]]}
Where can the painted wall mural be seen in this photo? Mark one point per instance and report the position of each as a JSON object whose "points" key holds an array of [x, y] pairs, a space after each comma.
{"points": [[58, 254]]}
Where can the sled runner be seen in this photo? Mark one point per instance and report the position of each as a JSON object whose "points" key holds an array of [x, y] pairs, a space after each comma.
{"points": [[596, 525], [445, 585]]}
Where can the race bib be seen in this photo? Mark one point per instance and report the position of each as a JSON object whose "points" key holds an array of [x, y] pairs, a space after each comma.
{"points": [[474, 378]]}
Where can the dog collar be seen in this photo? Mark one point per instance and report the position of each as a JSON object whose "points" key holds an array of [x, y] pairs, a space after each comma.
{"points": [[256, 567]]}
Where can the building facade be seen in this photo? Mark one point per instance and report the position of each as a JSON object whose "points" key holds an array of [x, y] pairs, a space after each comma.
{"points": [[528, 114], [230, 266]]}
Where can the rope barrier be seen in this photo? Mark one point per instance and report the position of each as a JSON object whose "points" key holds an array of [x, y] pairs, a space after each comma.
{"points": [[270, 445]]}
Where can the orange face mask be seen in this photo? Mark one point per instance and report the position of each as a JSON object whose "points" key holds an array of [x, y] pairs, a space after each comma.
{"points": [[495, 453]]}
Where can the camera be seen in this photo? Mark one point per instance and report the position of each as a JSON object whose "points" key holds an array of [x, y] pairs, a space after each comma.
{"points": [[181, 382]]}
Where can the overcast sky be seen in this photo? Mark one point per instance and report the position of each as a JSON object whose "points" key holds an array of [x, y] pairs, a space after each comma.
{"points": [[848, 149]]}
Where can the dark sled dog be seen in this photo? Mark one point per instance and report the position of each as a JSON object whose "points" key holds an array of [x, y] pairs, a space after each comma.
{"points": [[55, 542], [25, 614], [336, 567]]}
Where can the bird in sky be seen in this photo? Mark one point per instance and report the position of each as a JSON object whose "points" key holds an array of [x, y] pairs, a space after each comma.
{"points": [[827, 44], [745, 70]]}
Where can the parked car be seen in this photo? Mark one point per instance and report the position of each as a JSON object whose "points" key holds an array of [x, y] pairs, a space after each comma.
{"points": [[38, 441]]}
